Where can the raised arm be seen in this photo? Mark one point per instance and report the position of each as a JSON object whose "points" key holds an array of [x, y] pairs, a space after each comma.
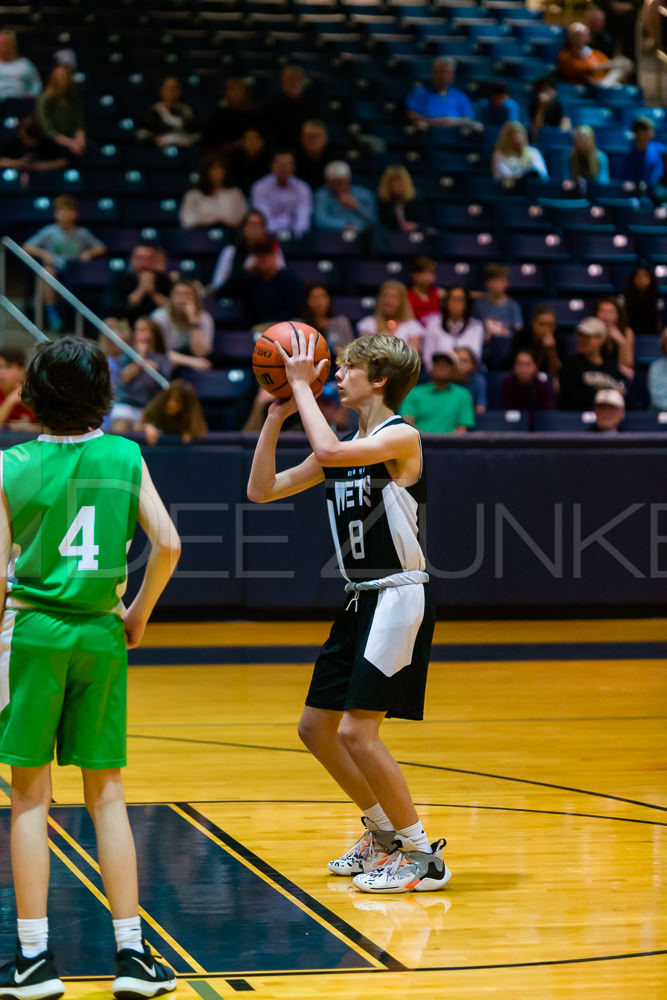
{"points": [[264, 483]]}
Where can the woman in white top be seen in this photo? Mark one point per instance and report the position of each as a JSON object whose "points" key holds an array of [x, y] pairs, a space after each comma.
{"points": [[513, 158], [186, 326], [213, 201], [394, 315], [453, 327]]}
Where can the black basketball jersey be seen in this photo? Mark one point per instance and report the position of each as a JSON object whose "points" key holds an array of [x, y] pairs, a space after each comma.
{"points": [[374, 522]]}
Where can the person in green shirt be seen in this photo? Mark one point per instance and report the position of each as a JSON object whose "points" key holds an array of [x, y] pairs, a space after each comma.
{"points": [[442, 406]]}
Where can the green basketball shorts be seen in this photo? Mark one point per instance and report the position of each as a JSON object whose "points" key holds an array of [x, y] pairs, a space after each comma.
{"points": [[63, 683]]}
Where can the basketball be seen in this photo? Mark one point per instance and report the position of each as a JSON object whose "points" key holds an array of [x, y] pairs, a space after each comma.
{"points": [[268, 365]]}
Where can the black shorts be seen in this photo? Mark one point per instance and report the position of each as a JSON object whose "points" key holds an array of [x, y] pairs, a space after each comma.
{"points": [[376, 657]]}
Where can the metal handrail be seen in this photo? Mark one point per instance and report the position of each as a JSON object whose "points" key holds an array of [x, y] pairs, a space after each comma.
{"points": [[8, 243]]}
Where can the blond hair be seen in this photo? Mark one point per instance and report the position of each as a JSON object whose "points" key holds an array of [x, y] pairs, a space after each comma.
{"points": [[405, 312], [584, 164], [384, 357], [384, 187], [505, 147]]}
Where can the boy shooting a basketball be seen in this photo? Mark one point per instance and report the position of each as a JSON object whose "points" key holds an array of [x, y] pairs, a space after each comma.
{"points": [[375, 660], [69, 503]]}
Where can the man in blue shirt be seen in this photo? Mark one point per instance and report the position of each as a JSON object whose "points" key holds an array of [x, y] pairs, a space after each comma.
{"points": [[646, 160], [438, 104], [342, 205], [499, 107]]}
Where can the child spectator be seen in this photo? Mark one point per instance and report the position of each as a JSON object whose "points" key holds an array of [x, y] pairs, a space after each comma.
{"points": [[393, 315], [399, 208], [137, 387], [60, 111], [213, 200], [499, 314], [58, 243], [543, 340], [526, 388], [454, 326], [587, 162], [186, 326], [641, 301], [13, 411], [175, 410], [317, 312], [424, 296], [619, 346], [513, 158], [169, 122], [470, 378], [645, 162], [499, 107], [440, 406], [657, 377]]}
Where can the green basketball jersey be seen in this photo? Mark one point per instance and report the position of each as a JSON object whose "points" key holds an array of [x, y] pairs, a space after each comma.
{"points": [[73, 504]]}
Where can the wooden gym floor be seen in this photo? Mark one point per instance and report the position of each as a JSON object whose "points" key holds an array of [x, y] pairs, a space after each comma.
{"points": [[541, 760]]}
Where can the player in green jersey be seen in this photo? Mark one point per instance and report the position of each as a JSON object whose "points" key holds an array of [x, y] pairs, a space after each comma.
{"points": [[69, 502]]}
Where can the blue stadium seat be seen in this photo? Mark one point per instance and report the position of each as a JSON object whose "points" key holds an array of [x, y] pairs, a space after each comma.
{"points": [[629, 114], [570, 312], [329, 272], [94, 273], [222, 394], [526, 277], [591, 279], [653, 248], [235, 347], [402, 245], [645, 423], [591, 114], [535, 246], [470, 218], [355, 307], [458, 272], [367, 275], [512, 421], [467, 246], [196, 242], [593, 218], [121, 239], [635, 219], [563, 421], [604, 248], [523, 216], [36, 211], [327, 244], [647, 347]]}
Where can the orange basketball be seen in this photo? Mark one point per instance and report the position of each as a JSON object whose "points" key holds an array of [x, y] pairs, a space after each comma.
{"points": [[268, 365]]}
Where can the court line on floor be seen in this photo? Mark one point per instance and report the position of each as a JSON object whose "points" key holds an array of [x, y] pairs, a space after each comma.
{"points": [[407, 763], [294, 893]]}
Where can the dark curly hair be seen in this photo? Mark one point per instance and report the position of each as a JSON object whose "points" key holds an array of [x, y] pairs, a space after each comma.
{"points": [[67, 385]]}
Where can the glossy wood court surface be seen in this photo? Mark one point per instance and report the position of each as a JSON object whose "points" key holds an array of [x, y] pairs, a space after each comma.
{"points": [[541, 760]]}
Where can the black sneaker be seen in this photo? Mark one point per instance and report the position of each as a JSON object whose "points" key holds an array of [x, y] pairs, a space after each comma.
{"points": [[139, 975], [30, 978]]}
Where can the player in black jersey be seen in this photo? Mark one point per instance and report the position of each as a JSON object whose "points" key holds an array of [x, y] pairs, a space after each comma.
{"points": [[375, 661]]}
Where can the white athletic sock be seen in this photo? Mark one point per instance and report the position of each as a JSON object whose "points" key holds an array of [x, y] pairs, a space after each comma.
{"points": [[128, 933], [377, 815], [34, 936], [417, 835]]}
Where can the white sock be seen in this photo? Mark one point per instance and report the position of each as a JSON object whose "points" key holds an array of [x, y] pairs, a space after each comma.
{"points": [[34, 936], [377, 815], [128, 933], [417, 835]]}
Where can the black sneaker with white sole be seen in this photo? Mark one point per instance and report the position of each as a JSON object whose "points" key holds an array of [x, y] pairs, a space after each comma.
{"points": [[139, 975], [31, 978]]}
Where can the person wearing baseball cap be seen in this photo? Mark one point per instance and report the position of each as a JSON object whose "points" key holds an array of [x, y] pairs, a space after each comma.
{"points": [[609, 406], [587, 371], [440, 406]]}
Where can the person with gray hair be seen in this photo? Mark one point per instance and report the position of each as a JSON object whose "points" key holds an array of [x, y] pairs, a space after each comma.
{"points": [[438, 104], [340, 204], [18, 76], [579, 63]]}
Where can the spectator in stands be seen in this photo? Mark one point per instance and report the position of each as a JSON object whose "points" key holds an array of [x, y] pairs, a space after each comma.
{"points": [[175, 410], [499, 107], [169, 122], [57, 244], [601, 40], [13, 412], [139, 289], [454, 326], [619, 346], [213, 200], [60, 112], [342, 205], [249, 160], [224, 129], [237, 256], [317, 311], [113, 354], [268, 292], [287, 203], [424, 296], [645, 163], [609, 408], [543, 340], [314, 152], [579, 63], [545, 108], [470, 378], [657, 377], [27, 149], [18, 76], [187, 328], [587, 371], [621, 20], [526, 388], [393, 315], [399, 208], [438, 104], [137, 387], [513, 158], [640, 299], [499, 314], [285, 114], [440, 406], [587, 162]]}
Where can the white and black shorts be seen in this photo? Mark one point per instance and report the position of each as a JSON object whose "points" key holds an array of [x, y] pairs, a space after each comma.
{"points": [[376, 657]]}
